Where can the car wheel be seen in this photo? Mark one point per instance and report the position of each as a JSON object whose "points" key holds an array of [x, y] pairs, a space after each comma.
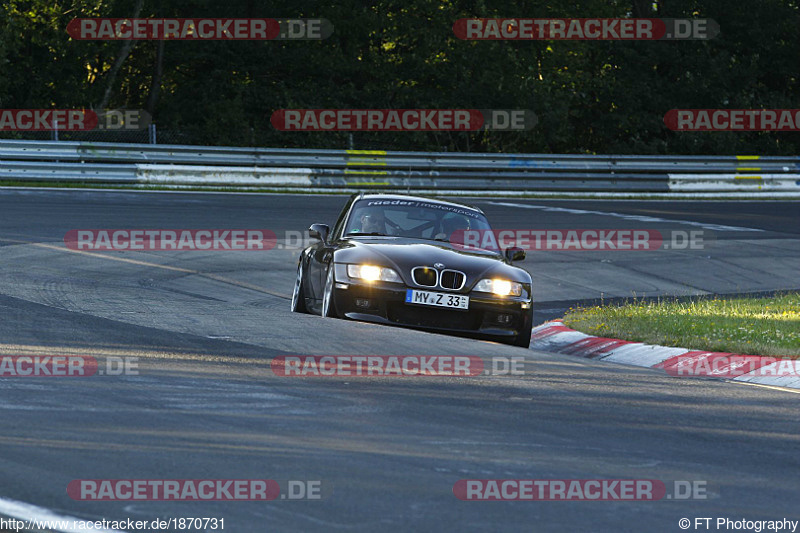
{"points": [[328, 301], [298, 295], [524, 338]]}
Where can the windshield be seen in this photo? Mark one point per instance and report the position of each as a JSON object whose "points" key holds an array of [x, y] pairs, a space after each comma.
{"points": [[412, 218]]}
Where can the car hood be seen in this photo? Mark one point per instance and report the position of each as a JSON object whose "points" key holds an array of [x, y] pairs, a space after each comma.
{"points": [[403, 254]]}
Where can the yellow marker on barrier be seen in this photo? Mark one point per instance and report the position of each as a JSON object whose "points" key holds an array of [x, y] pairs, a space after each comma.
{"points": [[377, 159], [748, 169], [351, 172]]}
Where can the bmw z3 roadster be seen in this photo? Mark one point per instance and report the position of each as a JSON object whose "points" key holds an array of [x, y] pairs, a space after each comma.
{"points": [[392, 259]]}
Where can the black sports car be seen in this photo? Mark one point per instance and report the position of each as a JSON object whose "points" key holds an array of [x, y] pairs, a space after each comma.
{"points": [[389, 259]]}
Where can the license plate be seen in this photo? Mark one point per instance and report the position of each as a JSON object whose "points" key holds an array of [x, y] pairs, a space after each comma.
{"points": [[437, 299]]}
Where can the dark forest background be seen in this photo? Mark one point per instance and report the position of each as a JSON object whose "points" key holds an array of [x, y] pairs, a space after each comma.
{"points": [[590, 97]]}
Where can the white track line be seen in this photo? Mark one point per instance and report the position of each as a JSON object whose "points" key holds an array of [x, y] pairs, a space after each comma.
{"points": [[30, 513], [638, 218]]}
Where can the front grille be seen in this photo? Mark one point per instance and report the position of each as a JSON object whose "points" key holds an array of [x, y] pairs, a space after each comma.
{"points": [[452, 279], [424, 276]]}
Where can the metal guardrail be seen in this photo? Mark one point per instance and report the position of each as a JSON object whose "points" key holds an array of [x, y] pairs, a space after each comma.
{"points": [[220, 166]]}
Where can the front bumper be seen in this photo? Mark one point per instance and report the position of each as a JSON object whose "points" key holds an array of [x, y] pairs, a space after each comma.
{"points": [[487, 317]]}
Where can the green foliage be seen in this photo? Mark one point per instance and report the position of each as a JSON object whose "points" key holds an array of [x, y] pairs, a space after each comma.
{"points": [[590, 97]]}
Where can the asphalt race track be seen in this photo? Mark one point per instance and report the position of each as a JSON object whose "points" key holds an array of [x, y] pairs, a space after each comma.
{"points": [[205, 404]]}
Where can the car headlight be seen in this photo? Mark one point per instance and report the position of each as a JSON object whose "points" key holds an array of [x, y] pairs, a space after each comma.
{"points": [[373, 273], [500, 287]]}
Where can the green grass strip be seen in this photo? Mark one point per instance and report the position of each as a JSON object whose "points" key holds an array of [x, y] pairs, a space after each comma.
{"points": [[755, 326]]}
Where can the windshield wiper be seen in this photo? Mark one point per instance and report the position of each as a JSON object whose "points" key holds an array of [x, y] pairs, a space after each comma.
{"points": [[365, 234]]}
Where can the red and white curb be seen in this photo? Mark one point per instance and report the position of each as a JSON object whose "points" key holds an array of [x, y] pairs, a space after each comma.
{"points": [[556, 337]]}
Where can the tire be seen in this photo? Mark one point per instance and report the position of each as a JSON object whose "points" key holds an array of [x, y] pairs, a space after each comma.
{"points": [[298, 295], [524, 339], [328, 300]]}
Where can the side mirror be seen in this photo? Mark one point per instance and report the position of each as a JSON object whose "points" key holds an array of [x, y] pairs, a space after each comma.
{"points": [[319, 231], [514, 254]]}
